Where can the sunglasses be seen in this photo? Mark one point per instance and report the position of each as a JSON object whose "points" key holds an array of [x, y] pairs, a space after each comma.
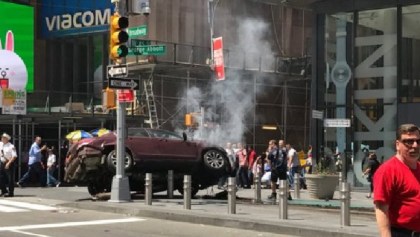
{"points": [[410, 142]]}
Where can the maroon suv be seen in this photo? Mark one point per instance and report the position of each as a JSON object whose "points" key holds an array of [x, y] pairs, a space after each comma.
{"points": [[92, 161]]}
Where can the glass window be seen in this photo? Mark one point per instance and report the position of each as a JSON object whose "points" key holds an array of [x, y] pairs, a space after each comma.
{"points": [[137, 132], [410, 58], [165, 134]]}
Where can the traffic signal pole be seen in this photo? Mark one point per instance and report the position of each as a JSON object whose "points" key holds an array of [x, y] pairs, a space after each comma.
{"points": [[120, 190]]}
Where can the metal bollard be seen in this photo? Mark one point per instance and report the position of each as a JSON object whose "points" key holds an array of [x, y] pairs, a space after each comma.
{"points": [[345, 203], [231, 188], [148, 189], [340, 177], [297, 186], [257, 190], [170, 184], [283, 195], [187, 192]]}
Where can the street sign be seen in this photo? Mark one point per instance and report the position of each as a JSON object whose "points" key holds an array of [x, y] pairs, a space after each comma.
{"points": [[117, 70], [149, 50], [140, 42], [137, 31], [123, 83], [125, 96], [317, 114], [337, 123]]}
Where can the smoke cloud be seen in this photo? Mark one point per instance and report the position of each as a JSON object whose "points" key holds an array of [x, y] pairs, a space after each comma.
{"points": [[227, 104]]}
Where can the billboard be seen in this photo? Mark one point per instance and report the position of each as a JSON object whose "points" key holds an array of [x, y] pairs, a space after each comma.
{"points": [[60, 18], [17, 46]]}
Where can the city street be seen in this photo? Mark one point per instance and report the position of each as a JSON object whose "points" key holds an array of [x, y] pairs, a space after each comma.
{"points": [[20, 219]]}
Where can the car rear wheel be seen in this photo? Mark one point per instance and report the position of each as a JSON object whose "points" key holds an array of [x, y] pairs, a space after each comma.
{"points": [[112, 161], [214, 160]]}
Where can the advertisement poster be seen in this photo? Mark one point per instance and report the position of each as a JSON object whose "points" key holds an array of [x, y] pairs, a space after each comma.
{"points": [[17, 47], [219, 65], [14, 102]]}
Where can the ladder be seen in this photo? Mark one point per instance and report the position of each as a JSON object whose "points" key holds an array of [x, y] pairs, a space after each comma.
{"points": [[151, 105]]}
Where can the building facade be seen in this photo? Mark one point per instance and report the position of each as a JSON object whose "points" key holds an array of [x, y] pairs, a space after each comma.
{"points": [[364, 70]]}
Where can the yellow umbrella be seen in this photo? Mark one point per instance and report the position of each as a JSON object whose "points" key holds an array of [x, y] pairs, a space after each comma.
{"points": [[99, 132], [78, 134]]}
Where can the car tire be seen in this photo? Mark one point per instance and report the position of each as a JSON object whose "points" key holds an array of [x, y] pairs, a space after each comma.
{"points": [[111, 160], [214, 160]]}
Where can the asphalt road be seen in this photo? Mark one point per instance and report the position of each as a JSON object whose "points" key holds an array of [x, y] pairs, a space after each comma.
{"points": [[23, 219]]}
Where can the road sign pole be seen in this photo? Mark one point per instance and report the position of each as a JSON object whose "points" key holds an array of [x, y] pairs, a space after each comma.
{"points": [[120, 191]]}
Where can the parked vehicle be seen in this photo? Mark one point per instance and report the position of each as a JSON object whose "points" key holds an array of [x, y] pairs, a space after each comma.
{"points": [[93, 161]]}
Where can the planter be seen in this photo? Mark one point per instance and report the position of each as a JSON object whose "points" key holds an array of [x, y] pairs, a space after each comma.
{"points": [[321, 186]]}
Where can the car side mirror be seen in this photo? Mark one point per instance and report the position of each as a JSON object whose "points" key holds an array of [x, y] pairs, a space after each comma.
{"points": [[184, 135]]}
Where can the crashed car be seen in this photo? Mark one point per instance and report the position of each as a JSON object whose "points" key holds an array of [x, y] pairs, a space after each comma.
{"points": [[92, 161]]}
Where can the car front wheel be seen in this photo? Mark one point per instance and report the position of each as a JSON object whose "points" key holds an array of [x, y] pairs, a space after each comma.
{"points": [[112, 161], [214, 160]]}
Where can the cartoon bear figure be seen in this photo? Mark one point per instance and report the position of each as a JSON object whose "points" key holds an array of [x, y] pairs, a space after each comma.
{"points": [[13, 72]]}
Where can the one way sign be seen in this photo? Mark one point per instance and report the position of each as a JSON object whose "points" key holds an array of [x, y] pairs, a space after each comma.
{"points": [[117, 70], [123, 83]]}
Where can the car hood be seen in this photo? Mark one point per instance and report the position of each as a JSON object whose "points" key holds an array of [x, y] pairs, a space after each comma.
{"points": [[99, 142]]}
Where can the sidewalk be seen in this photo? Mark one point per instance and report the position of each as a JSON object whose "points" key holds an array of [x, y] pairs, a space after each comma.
{"points": [[306, 216]]}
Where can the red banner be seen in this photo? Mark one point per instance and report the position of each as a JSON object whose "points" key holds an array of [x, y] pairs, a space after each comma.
{"points": [[219, 64], [125, 95]]}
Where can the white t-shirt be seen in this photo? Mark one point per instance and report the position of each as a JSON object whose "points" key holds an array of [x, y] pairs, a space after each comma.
{"points": [[7, 151], [51, 160], [293, 155]]}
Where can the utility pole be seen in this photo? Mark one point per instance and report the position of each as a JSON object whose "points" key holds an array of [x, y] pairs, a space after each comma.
{"points": [[120, 190]]}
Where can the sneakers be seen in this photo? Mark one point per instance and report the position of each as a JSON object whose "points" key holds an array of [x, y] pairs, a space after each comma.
{"points": [[19, 184], [58, 184], [273, 196]]}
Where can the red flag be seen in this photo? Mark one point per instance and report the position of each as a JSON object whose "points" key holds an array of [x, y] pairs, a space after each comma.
{"points": [[219, 65]]}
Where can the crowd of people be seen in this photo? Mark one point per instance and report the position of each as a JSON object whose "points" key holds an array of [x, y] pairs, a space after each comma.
{"points": [[279, 162], [42, 164]]}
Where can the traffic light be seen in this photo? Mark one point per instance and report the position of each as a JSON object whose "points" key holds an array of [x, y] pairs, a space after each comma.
{"points": [[118, 37]]}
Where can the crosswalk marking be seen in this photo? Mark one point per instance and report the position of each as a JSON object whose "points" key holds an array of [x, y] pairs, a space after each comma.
{"points": [[70, 224], [14, 206], [4, 208]]}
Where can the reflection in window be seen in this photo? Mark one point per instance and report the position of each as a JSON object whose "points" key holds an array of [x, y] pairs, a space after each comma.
{"points": [[410, 60]]}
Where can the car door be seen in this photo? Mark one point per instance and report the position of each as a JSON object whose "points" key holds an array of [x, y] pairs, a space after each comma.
{"points": [[177, 153], [144, 148]]}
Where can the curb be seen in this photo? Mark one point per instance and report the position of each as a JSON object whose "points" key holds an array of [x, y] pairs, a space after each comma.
{"points": [[286, 227]]}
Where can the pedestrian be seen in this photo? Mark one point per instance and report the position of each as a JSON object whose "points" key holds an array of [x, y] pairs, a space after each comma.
{"points": [[232, 161], [7, 166], [278, 165], [51, 167], [308, 163], [373, 165], [35, 163], [251, 160], [292, 163], [242, 174], [397, 187]]}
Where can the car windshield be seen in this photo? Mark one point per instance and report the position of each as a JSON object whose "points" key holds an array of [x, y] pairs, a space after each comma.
{"points": [[165, 134], [138, 132]]}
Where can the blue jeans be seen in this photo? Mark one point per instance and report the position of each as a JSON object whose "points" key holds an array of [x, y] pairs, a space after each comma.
{"points": [[34, 168], [51, 180], [292, 173]]}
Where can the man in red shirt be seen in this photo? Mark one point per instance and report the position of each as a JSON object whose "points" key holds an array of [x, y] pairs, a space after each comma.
{"points": [[397, 187]]}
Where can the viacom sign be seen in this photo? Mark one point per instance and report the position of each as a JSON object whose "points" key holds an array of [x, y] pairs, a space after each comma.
{"points": [[69, 17]]}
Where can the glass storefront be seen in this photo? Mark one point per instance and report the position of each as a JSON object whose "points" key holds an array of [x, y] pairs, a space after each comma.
{"points": [[367, 73]]}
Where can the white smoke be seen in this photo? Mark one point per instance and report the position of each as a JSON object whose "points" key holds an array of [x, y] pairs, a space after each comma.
{"points": [[227, 104]]}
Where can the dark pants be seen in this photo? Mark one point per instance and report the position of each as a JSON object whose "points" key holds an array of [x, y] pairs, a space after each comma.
{"points": [[37, 169], [242, 177], [7, 179]]}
